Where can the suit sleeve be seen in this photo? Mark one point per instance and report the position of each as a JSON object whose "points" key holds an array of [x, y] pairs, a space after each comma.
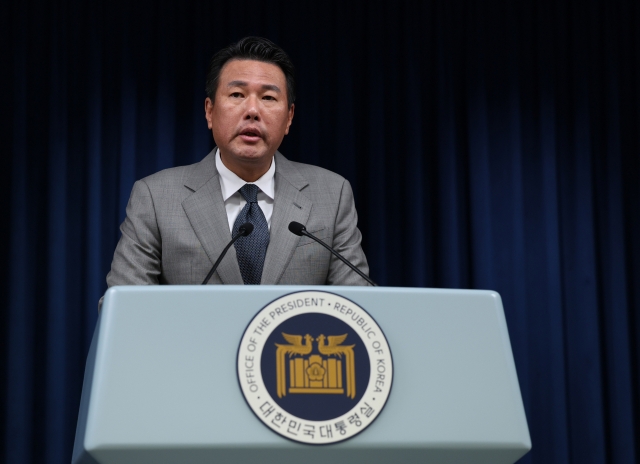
{"points": [[347, 240], [138, 256]]}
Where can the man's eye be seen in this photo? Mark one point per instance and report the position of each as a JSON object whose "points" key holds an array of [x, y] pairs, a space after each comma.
{"points": [[236, 95], [268, 97]]}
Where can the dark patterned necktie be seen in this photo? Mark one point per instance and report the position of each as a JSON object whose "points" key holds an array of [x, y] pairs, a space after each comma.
{"points": [[252, 249]]}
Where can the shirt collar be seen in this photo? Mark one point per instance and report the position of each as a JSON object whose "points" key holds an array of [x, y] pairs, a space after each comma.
{"points": [[231, 183]]}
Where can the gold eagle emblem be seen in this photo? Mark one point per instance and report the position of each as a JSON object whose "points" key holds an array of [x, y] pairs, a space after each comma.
{"points": [[322, 373]]}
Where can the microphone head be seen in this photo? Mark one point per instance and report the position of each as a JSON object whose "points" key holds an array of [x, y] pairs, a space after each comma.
{"points": [[246, 229], [296, 228]]}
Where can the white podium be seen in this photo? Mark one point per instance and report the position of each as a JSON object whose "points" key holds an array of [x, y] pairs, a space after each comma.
{"points": [[161, 382]]}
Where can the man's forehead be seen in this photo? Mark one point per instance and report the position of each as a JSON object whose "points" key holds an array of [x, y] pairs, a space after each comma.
{"points": [[246, 71]]}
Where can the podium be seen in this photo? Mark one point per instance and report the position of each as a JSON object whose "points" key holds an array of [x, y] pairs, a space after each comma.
{"points": [[161, 381]]}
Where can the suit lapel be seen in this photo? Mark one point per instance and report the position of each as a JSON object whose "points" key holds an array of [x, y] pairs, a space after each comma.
{"points": [[208, 217], [289, 205]]}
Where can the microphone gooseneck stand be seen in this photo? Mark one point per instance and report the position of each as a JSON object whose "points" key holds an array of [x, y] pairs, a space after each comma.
{"points": [[300, 230], [244, 230]]}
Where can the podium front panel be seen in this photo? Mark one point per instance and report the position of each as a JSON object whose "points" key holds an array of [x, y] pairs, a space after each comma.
{"points": [[161, 382]]}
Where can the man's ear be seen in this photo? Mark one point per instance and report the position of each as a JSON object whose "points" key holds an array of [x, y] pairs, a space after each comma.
{"points": [[208, 112], [291, 111]]}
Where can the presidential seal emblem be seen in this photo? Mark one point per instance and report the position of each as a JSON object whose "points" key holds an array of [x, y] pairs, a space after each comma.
{"points": [[315, 367]]}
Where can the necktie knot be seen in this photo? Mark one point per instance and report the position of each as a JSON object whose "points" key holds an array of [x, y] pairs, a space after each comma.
{"points": [[250, 193]]}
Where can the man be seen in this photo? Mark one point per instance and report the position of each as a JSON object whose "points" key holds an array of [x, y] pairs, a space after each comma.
{"points": [[179, 220]]}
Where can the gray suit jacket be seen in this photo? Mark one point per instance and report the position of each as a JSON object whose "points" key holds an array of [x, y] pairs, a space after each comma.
{"points": [[176, 227]]}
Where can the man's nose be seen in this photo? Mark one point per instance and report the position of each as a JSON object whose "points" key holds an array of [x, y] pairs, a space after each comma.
{"points": [[252, 111]]}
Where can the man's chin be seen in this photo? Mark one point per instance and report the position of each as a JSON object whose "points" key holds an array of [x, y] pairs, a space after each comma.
{"points": [[253, 155]]}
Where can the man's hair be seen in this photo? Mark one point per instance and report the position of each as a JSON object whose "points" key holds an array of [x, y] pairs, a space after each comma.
{"points": [[251, 48]]}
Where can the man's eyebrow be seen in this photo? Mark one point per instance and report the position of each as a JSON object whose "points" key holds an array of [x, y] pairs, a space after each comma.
{"points": [[273, 87], [237, 84]]}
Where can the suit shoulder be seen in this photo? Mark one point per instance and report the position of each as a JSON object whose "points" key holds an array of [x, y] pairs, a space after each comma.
{"points": [[315, 173], [180, 176], [170, 175]]}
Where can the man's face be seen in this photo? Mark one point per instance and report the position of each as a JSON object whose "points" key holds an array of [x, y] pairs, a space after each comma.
{"points": [[250, 115]]}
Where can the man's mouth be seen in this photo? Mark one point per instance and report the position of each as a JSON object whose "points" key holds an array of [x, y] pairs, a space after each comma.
{"points": [[250, 134]]}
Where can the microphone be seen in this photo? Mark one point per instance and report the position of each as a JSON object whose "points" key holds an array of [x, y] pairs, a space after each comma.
{"points": [[244, 230], [300, 230]]}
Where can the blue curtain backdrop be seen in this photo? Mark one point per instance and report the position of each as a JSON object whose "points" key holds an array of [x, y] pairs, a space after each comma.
{"points": [[491, 144]]}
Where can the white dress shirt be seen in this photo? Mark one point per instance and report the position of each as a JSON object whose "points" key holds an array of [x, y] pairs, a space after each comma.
{"points": [[231, 184]]}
